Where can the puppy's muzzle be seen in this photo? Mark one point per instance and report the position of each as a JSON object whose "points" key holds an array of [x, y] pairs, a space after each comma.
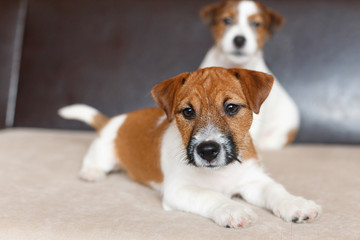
{"points": [[208, 150]]}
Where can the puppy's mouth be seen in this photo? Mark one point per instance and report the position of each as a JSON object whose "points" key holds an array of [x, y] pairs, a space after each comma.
{"points": [[237, 53], [212, 154], [211, 166]]}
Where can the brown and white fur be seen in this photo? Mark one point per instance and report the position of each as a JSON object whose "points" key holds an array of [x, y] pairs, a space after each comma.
{"points": [[195, 149], [240, 29]]}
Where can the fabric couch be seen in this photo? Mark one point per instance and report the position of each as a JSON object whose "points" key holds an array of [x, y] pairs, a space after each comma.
{"points": [[109, 54]]}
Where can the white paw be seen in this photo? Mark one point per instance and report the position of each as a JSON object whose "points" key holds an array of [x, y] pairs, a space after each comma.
{"points": [[166, 206], [234, 216], [297, 210], [92, 174]]}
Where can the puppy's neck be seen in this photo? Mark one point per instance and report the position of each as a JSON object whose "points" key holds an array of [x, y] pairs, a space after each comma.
{"points": [[217, 57]]}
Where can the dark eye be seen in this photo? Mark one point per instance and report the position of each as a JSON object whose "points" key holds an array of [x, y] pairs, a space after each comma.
{"points": [[228, 21], [255, 24], [188, 113], [232, 109]]}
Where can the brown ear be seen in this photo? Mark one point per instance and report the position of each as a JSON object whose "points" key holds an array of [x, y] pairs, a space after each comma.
{"points": [[273, 19], [164, 93], [208, 12], [255, 85], [276, 21]]}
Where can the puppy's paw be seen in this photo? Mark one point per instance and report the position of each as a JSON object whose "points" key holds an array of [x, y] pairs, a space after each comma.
{"points": [[92, 174], [297, 210], [234, 216]]}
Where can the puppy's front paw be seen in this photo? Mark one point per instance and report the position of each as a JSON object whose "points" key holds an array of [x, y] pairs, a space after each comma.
{"points": [[297, 210], [92, 174], [234, 216]]}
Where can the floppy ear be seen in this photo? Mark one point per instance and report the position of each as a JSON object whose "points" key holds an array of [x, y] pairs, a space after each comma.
{"points": [[207, 13], [255, 85], [164, 93], [276, 21], [273, 19]]}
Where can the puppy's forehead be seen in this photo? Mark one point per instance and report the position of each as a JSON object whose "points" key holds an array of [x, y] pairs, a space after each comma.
{"points": [[238, 7], [211, 82], [229, 7]]}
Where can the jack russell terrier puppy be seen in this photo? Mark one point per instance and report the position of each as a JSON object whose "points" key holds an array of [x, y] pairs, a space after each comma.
{"points": [[240, 29], [196, 148]]}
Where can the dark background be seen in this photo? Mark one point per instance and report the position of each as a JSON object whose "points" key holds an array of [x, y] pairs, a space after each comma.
{"points": [[110, 53]]}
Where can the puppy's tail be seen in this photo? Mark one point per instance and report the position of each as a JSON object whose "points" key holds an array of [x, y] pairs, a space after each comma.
{"points": [[84, 113]]}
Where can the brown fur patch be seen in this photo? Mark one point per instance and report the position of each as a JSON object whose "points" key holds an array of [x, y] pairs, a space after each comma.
{"points": [[262, 33], [138, 145], [291, 136], [164, 94], [256, 86], [207, 90], [99, 121], [271, 21], [207, 96], [214, 14]]}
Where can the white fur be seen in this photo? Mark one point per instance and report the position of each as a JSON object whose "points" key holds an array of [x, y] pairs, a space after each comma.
{"points": [[208, 192], [242, 28], [79, 112], [101, 157], [279, 114]]}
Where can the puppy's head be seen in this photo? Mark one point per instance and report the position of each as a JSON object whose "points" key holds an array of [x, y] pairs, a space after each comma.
{"points": [[213, 110], [241, 27]]}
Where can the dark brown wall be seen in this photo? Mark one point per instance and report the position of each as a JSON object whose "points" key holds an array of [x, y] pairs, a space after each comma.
{"points": [[9, 10], [110, 53], [317, 58], [104, 53]]}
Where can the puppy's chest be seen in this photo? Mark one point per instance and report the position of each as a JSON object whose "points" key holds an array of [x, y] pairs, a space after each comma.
{"points": [[226, 180]]}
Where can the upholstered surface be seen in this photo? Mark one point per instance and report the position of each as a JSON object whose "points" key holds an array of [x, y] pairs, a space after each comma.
{"points": [[41, 197]]}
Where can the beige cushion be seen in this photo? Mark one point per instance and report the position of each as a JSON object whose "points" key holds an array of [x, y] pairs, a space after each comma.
{"points": [[42, 198]]}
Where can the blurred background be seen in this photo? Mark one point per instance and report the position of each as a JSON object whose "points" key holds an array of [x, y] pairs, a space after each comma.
{"points": [[109, 54]]}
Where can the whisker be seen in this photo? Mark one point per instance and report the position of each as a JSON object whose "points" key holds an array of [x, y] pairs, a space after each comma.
{"points": [[238, 160]]}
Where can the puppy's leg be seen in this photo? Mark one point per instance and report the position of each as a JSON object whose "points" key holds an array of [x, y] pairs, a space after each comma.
{"points": [[101, 158], [98, 161], [259, 189], [209, 204]]}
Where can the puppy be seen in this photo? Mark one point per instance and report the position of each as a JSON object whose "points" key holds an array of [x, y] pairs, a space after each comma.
{"points": [[240, 30], [196, 149]]}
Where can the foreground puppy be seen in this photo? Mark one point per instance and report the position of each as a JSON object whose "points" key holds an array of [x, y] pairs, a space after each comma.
{"points": [[196, 148], [240, 30]]}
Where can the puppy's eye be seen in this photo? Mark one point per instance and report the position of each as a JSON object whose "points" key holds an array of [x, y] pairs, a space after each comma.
{"points": [[232, 109], [255, 24], [188, 113], [228, 21]]}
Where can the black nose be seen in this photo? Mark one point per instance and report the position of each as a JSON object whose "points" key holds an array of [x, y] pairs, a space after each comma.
{"points": [[208, 150], [239, 41]]}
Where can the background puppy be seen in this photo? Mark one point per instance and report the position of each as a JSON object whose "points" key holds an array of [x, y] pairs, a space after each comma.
{"points": [[240, 29], [196, 148]]}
